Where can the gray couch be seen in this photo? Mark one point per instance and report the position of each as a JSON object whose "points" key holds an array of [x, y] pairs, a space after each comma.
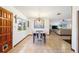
{"points": [[64, 32]]}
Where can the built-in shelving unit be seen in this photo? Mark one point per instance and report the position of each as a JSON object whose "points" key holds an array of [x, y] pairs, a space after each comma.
{"points": [[6, 18]]}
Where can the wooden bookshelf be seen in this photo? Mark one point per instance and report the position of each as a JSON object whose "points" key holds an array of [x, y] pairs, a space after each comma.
{"points": [[6, 18]]}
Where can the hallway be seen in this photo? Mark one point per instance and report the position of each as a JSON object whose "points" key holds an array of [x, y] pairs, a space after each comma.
{"points": [[54, 44]]}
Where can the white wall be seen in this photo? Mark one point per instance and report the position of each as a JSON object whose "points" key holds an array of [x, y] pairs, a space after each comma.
{"points": [[75, 28], [46, 26], [17, 35]]}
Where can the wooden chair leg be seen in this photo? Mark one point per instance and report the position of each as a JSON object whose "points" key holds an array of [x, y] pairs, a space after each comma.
{"points": [[44, 38], [33, 38]]}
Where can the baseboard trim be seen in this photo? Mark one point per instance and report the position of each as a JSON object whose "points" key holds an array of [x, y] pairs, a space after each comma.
{"points": [[72, 49], [22, 39], [30, 34]]}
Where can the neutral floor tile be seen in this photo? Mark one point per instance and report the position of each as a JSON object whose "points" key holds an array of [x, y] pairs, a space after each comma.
{"points": [[54, 44]]}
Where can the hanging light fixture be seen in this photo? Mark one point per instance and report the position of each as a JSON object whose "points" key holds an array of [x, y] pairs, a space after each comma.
{"points": [[39, 14], [58, 13]]}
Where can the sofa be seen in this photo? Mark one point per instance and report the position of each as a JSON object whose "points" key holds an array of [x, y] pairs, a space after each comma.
{"points": [[63, 32]]}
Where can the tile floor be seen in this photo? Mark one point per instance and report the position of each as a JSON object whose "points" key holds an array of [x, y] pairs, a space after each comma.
{"points": [[54, 44]]}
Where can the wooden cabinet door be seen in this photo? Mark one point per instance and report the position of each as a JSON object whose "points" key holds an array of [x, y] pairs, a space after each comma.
{"points": [[5, 30], [4, 14], [0, 22], [0, 13]]}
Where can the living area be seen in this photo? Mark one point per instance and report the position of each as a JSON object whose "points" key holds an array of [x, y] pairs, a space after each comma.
{"points": [[63, 28], [41, 29]]}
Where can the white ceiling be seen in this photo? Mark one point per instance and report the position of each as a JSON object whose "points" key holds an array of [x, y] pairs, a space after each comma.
{"points": [[46, 11]]}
